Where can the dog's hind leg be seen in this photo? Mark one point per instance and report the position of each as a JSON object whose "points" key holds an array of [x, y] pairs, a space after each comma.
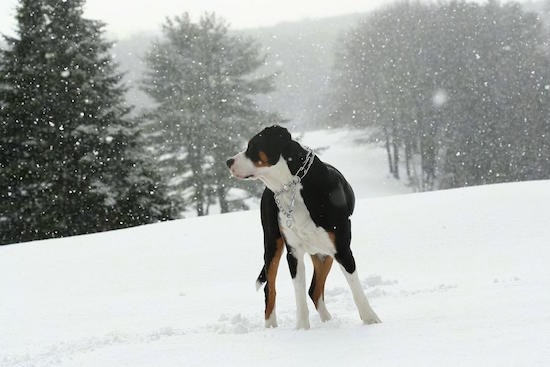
{"points": [[347, 264], [298, 272], [366, 312], [321, 268], [346, 260]]}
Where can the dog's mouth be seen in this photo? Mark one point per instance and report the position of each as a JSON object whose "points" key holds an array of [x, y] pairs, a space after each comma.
{"points": [[241, 177], [249, 177]]}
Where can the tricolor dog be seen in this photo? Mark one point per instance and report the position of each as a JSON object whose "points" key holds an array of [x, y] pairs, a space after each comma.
{"points": [[306, 208]]}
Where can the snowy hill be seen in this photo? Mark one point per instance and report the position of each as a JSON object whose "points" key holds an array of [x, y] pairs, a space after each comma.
{"points": [[459, 278]]}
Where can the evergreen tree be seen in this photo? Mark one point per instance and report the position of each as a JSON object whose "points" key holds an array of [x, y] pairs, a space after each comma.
{"points": [[68, 155], [202, 79]]}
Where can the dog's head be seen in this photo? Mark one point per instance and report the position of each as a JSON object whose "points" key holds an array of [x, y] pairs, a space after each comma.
{"points": [[263, 152]]}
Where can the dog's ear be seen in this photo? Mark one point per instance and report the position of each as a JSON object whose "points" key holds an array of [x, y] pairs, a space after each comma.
{"points": [[277, 140], [280, 135]]}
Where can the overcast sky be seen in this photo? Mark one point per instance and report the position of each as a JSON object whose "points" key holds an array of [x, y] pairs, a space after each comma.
{"points": [[124, 17]]}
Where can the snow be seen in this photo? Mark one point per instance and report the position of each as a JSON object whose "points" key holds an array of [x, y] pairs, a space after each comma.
{"points": [[458, 277], [439, 98]]}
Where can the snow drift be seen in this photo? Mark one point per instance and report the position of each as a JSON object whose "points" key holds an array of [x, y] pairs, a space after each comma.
{"points": [[459, 277]]}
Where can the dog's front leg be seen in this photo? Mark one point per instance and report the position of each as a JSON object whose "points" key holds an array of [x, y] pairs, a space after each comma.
{"points": [[298, 272], [273, 249], [272, 256]]}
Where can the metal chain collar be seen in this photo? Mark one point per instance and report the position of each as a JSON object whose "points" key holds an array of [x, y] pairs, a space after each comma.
{"points": [[292, 186]]}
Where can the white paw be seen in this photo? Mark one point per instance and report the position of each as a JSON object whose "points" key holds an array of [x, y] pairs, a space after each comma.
{"points": [[271, 322], [326, 316], [323, 312], [370, 317], [302, 324], [302, 317]]}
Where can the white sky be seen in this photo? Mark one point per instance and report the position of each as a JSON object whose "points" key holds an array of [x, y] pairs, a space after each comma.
{"points": [[124, 17]]}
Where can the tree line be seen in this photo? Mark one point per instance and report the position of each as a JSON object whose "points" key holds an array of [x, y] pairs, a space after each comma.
{"points": [[72, 161], [458, 92]]}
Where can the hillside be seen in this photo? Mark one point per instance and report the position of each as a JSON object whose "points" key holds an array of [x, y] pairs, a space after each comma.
{"points": [[458, 277]]}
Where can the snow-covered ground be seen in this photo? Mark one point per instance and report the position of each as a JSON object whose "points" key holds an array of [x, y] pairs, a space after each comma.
{"points": [[459, 278]]}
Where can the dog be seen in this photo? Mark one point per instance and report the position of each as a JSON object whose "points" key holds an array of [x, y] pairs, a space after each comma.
{"points": [[305, 207]]}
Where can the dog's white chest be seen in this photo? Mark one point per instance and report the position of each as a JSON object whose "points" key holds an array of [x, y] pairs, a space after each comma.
{"points": [[300, 232]]}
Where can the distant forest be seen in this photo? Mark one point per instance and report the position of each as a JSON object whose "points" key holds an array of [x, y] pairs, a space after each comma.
{"points": [[317, 65], [302, 55], [97, 135], [459, 92]]}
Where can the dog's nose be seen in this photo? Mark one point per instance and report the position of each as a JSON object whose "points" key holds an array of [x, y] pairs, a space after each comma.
{"points": [[230, 162]]}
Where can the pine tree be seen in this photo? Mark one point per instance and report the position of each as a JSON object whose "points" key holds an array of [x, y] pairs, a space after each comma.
{"points": [[68, 154], [202, 79]]}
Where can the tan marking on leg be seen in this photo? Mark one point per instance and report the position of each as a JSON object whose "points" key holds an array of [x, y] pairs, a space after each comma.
{"points": [[321, 268], [271, 278]]}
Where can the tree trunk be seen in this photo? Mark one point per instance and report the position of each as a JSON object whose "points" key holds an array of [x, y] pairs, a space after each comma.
{"points": [[200, 196], [199, 201], [224, 205], [408, 158], [395, 159], [395, 146], [421, 184], [388, 149]]}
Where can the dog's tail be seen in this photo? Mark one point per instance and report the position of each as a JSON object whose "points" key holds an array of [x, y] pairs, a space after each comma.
{"points": [[261, 279]]}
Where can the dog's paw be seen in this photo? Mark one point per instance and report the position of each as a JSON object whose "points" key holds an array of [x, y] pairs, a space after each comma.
{"points": [[370, 318], [325, 316], [323, 312], [302, 324], [271, 322]]}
